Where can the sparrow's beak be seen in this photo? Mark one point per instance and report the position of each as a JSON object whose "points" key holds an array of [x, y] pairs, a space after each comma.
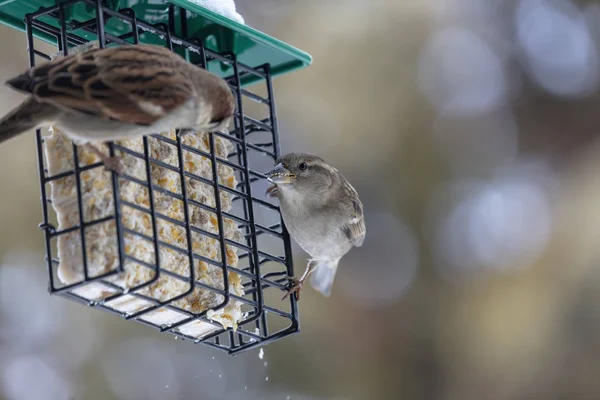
{"points": [[279, 175], [221, 126]]}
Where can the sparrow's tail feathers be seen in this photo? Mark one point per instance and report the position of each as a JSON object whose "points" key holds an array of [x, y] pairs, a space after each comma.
{"points": [[29, 115], [323, 276]]}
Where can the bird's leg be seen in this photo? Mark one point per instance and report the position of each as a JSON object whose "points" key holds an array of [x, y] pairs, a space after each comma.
{"points": [[110, 163], [295, 284], [273, 191]]}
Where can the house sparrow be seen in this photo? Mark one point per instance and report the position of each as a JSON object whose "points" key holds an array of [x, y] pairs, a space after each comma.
{"points": [[119, 93], [322, 213]]}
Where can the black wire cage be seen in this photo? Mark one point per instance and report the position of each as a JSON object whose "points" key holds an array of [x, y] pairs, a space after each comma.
{"points": [[262, 249]]}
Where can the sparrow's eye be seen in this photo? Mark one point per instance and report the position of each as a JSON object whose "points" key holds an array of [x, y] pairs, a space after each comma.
{"points": [[302, 166]]}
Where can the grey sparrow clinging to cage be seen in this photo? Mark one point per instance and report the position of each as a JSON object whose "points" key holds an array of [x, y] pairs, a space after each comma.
{"points": [[322, 213], [119, 93]]}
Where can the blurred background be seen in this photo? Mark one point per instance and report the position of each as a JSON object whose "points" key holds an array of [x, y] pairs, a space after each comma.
{"points": [[471, 130]]}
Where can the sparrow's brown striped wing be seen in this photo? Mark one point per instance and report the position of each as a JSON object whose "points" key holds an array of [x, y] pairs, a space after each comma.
{"points": [[355, 228], [135, 84]]}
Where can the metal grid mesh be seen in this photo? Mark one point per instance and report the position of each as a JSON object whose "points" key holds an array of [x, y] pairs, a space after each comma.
{"points": [[264, 255]]}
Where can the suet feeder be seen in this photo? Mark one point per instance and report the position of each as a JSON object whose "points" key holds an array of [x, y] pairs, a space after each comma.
{"points": [[126, 244]]}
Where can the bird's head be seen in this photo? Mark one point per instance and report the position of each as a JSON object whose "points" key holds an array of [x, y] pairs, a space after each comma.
{"points": [[219, 98], [303, 173]]}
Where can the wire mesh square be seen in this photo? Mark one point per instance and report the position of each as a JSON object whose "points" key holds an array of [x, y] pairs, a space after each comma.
{"points": [[185, 241]]}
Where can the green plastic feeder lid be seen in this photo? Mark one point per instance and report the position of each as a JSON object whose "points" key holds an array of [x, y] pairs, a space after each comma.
{"points": [[252, 48]]}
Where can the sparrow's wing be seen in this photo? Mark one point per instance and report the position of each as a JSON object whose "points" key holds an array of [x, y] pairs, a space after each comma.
{"points": [[135, 84], [354, 228]]}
